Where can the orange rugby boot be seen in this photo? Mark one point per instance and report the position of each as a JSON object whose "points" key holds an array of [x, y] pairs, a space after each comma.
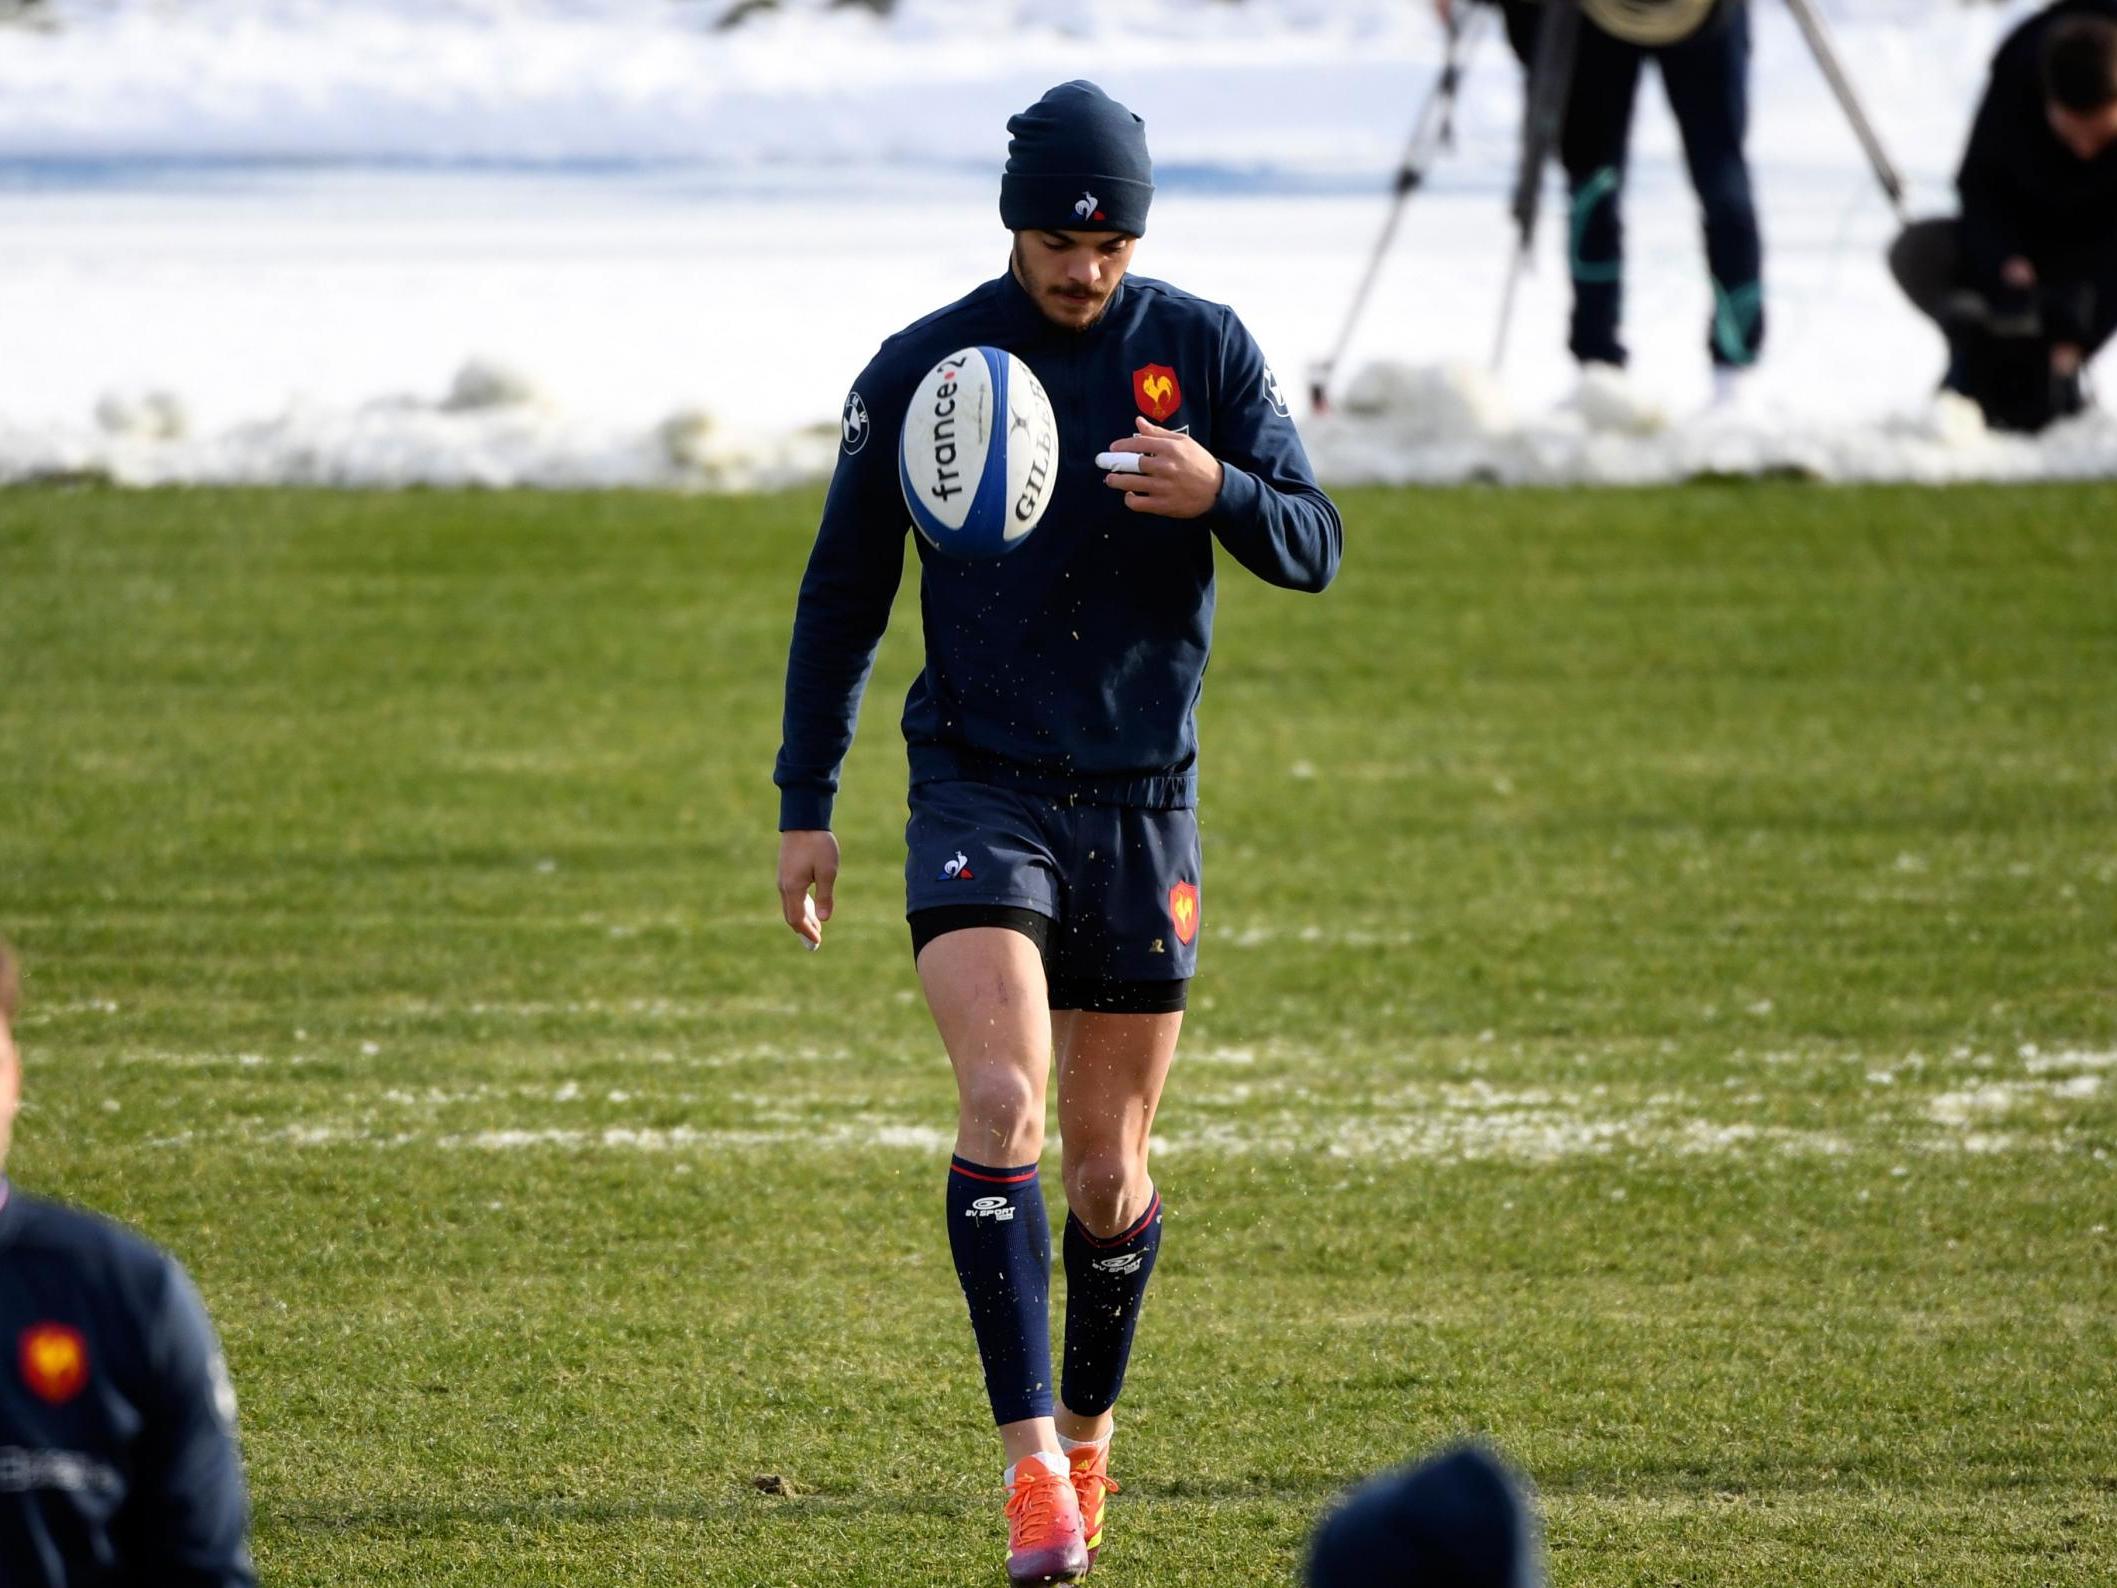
{"points": [[1092, 1485], [1044, 1541]]}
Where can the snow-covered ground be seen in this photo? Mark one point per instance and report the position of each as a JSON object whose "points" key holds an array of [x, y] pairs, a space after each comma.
{"points": [[395, 241]]}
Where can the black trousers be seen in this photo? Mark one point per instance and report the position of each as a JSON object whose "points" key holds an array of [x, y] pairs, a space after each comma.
{"points": [[1706, 77], [1926, 260], [1999, 344]]}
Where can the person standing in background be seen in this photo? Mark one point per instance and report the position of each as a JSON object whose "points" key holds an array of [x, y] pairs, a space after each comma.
{"points": [[1702, 50]]}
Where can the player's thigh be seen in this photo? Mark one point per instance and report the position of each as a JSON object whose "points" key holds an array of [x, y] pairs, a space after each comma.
{"points": [[1112, 1069], [980, 896], [985, 986]]}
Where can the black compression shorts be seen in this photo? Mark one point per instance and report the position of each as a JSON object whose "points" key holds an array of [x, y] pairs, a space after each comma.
{"points": [[1100, 997]]}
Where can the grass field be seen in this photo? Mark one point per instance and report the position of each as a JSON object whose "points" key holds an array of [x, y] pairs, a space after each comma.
{"points": [[1658, 1008]]}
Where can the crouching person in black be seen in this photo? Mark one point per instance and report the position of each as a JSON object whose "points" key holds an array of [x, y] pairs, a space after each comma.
{"points": [[2024, 283]]}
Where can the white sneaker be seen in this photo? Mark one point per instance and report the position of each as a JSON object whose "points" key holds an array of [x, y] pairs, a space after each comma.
{"points": [[1607, 400], [1734, 388], [1948, 417]]}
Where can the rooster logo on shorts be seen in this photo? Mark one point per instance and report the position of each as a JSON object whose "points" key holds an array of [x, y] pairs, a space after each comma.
{"points": [[958, 869], [1183, 911]]}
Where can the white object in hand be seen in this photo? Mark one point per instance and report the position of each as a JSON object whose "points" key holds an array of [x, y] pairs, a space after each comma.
{"points": [[1118, 462]]}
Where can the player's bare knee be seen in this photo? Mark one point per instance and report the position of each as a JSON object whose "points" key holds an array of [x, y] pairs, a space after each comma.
{"points": [[1002, 1110], [1103, 1183]]}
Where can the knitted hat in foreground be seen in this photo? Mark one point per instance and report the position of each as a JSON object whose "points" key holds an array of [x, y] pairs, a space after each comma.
{"points": [[1457, 1521]]}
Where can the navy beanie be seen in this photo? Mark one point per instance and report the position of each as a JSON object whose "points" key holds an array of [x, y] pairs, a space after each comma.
{"points": [[1456, 1521], [1077, 162]]}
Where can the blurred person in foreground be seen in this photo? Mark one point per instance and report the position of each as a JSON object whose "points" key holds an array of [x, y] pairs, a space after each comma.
{"points": [[1701, 52], [118, 1461], [2024, 282], [1457, 1520]]}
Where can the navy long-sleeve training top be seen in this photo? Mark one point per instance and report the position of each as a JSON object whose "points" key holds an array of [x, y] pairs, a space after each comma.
{"points": [[118, 1461], [1073, 664]]}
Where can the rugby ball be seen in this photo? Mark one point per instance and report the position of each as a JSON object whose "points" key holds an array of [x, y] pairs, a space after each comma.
{"points": [[978, 453]]}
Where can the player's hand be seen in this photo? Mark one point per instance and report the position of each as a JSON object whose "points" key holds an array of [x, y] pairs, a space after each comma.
{"points": [[1177, 477], [807, 859], [2018, 273], [2066, 359]]}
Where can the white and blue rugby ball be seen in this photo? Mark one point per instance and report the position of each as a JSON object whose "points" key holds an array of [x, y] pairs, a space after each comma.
{"points": [[978, 453]]}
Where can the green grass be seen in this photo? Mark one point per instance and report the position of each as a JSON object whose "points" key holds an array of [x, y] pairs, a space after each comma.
{"points": [[1658, 1007]]}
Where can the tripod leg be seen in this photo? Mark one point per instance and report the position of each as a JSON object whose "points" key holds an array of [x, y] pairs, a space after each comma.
{"points": [[1817, 34], [1543, 118], [1428, 131]]}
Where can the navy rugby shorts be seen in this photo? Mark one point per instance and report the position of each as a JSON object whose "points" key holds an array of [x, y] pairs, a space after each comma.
{"points": [[1108, 893]]}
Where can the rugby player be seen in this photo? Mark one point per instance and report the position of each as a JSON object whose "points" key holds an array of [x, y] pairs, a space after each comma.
{"points": [[1052, 881], [118, 1462]]}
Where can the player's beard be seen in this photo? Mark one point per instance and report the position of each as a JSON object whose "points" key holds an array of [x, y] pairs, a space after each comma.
{"points": [[1043, 295]]}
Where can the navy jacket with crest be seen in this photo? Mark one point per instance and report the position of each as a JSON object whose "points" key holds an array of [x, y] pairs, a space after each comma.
{"points": [[1073, 664], [118, 1461]]}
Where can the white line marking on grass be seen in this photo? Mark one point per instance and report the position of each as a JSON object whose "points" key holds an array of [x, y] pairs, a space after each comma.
{"points": [[434, 1097], [515, 1140], [1441, 1135], [652, 1008], [163, 1059], [1520, 1136], [686, 1138], [1301, 1108], [2072, 1060], [44, 1012], [1959, 1108], [335, 1136], [1259, 936], [2004, 1097]]}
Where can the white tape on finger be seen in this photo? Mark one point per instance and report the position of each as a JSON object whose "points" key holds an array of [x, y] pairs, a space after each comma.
{"points": [[1119, 462]]}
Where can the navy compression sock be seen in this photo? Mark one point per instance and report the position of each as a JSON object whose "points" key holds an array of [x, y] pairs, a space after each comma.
{"points": [[1002, 1246], [1105, 1283]]}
